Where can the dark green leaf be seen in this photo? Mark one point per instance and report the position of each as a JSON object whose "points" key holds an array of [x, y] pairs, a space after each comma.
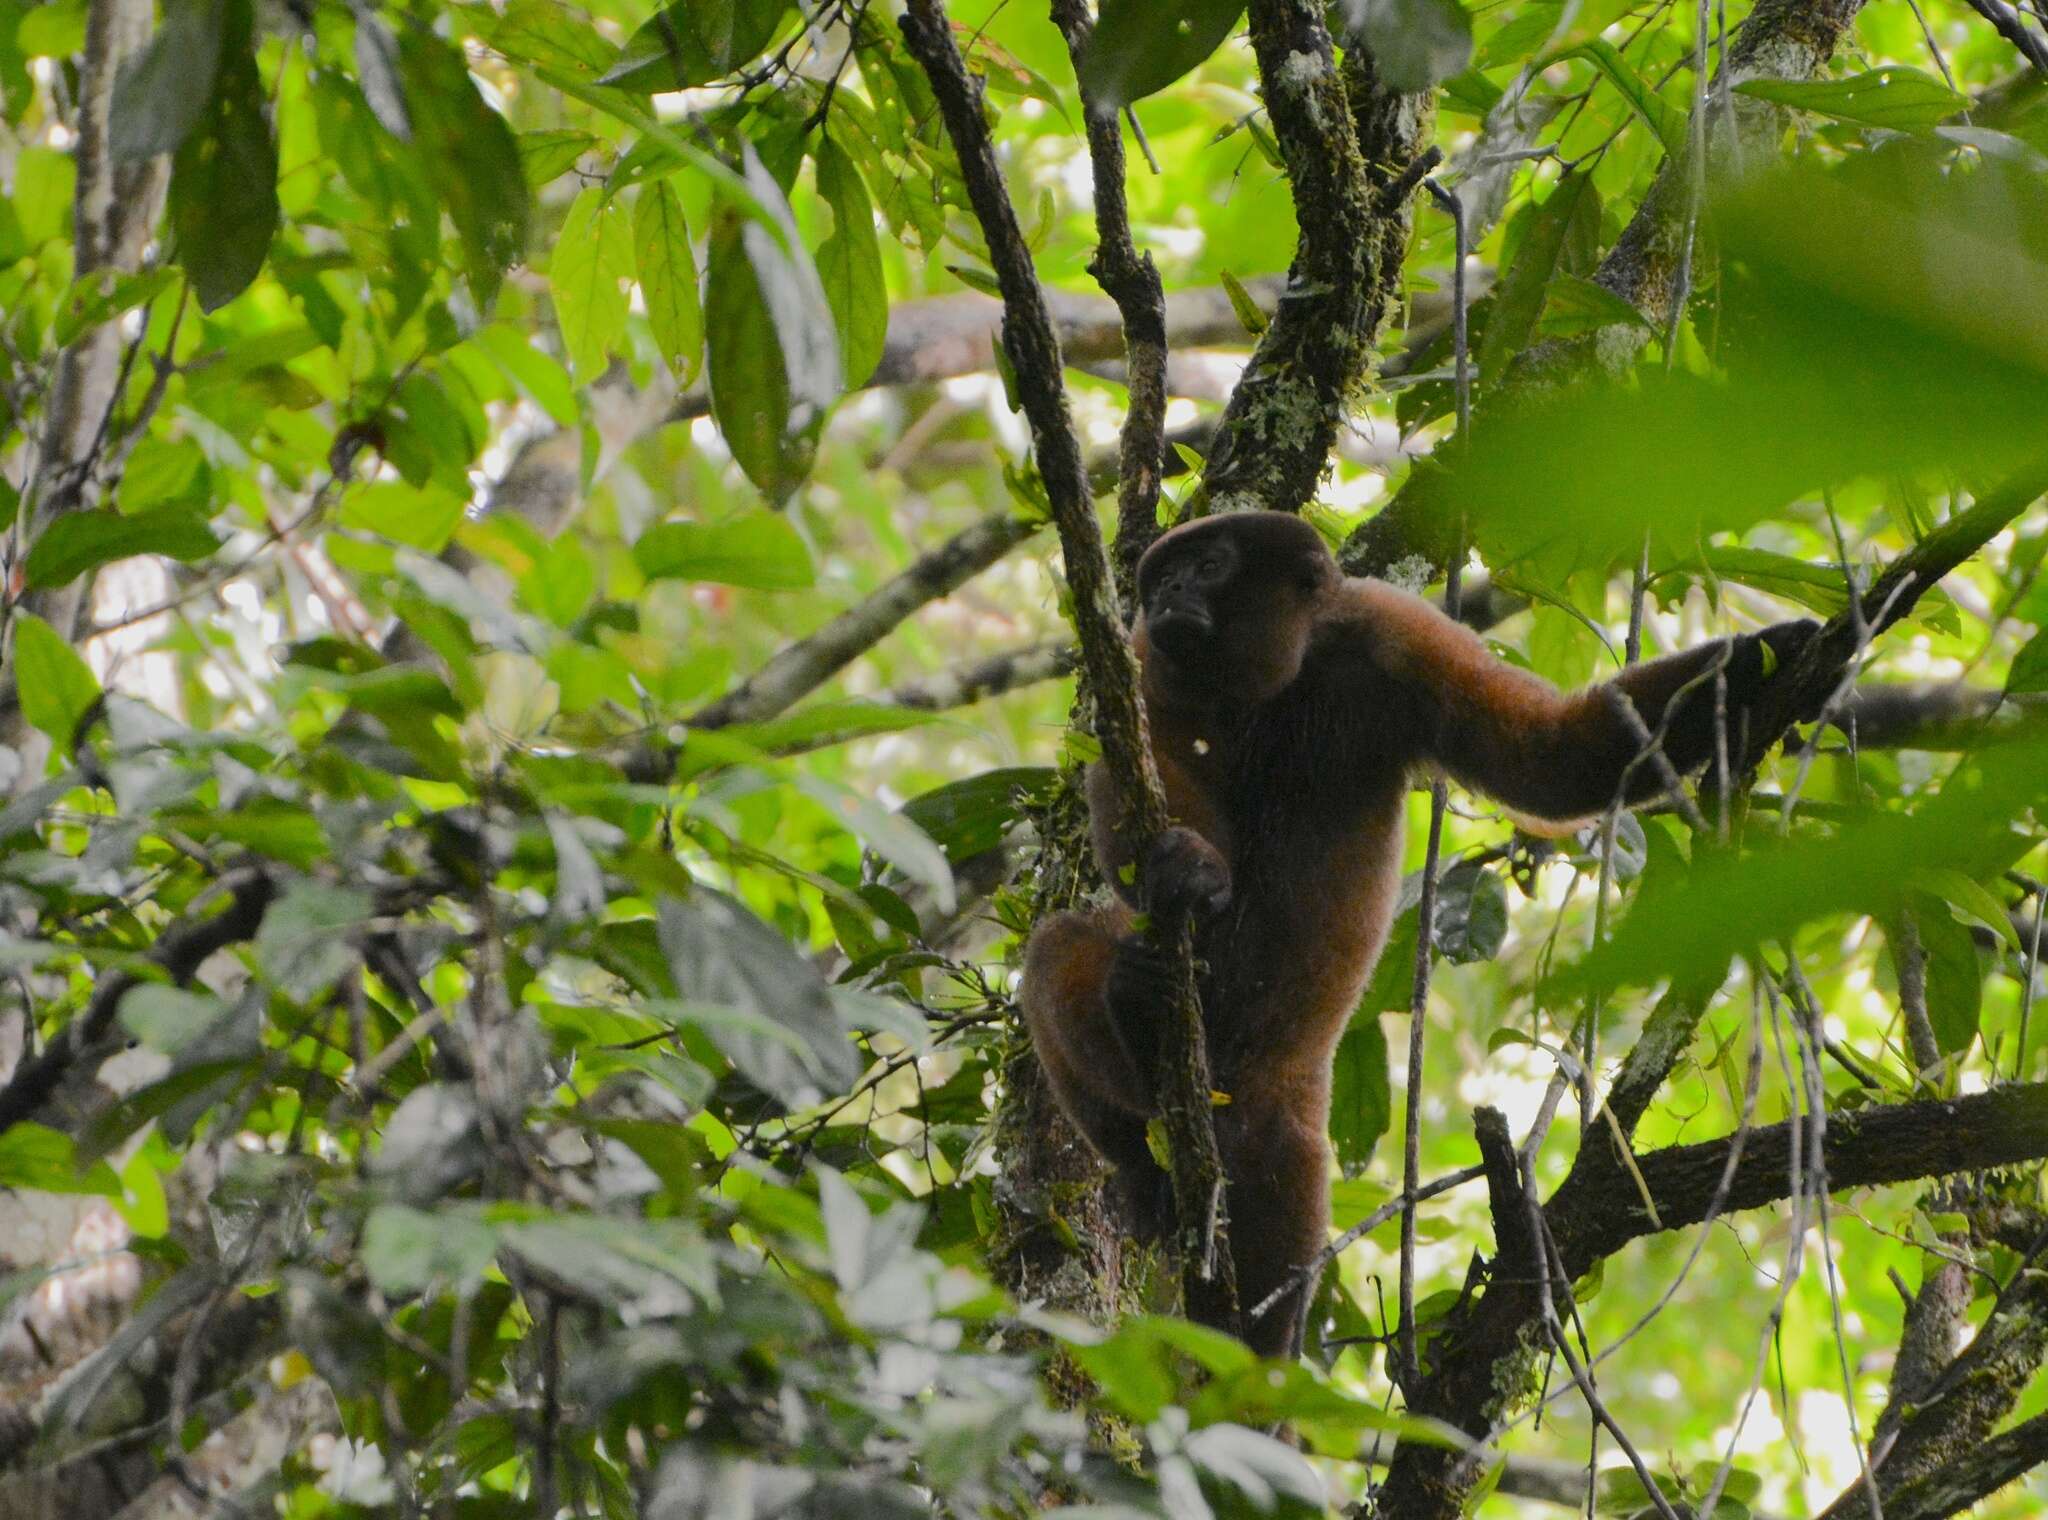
{"points": [[774, 354], [2029, 673], [304, 945], [1580, 306], [407, 1250], [693, 42], [757, 549], [164, 89], [1955, 979], [1471, 913], [850, 264], [1667, 123], [668, 279], [1572, 207], [223, 199], [469, 156], [84, 541], [722, 956], [967, 817], [55, 684], [1361, 1101], [1904, 100], [1140, 46]]}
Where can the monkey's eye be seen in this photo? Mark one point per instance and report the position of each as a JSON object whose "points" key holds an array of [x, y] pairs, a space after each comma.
{"points": [[1209, 568]]}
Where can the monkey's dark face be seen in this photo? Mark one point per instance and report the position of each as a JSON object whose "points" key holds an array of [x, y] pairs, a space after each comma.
{"points": [[1228, 601]]}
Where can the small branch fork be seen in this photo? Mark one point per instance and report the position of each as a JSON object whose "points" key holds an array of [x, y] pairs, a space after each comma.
{"points": [[1110, 669]]}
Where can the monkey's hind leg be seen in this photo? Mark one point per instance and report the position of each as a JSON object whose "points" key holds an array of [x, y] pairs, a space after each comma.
{"points": [[1072, 964]]}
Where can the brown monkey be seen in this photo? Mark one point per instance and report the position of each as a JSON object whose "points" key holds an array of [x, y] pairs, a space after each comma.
{"points": [[1288, 706]]}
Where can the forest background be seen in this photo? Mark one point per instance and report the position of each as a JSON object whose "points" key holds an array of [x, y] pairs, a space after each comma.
{"points": [[539, 647]]}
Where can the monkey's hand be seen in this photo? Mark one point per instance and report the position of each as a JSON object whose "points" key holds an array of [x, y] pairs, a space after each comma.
{"points": [[1184, 873]]}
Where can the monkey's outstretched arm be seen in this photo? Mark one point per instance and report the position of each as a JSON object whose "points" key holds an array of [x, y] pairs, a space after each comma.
{"points": [[1514, 736]]}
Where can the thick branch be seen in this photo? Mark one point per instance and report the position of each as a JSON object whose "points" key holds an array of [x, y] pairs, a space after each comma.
{"points": [[2001, 1460], [1132, 281], [1106, 658], [1277, 432]]}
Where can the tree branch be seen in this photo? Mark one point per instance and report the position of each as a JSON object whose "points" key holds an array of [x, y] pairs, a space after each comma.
{"points": [[802, 667], [1278, 429], [1107, 662], [1132, 281], [180, 951]]}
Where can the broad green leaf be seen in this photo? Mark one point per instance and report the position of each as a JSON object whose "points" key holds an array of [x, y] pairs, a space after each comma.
{"points": [[469, 156], [758, 549], [2029, 673], [1573, 305], [407, 1250], [44, 1160], [1955, 978], [56, 686], [692, 42], [850, 264], [668, 279], [52, 31], [83, 541], [890, 835], [1361, 1100], [1571, 209], [1140, 46], [1973, 898], [163, 90], [167, 1018], [587, 275], [1471, 913], [223, 199], [967, 817], [546, 156], [1667, 123], [1415, 44], [1904, 100], [304, 945], [722, 956], [547, 33], [772, 349], [533, 369]]}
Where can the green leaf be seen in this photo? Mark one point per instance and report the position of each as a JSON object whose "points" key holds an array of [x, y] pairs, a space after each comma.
{"points": [[423, 516], [759, 550], [55, 684], [37, 1157], [587, 275], [547, 33], [1361, 1100], [304, 945], [850, 264], [469, 156], [772, 348], [1471, 913], [52, 31], [1955, 978], [407, 1250], [1904, 100], [965, 818], [82, 541], [223, 200], [167, 1018], [1667, 123], [789, 1040], [890, 835], [1249, 314], [693, 42], [164, 89], [533, 369], [1415, 44], [1140, 46], [1971, 897], [546, 156], [668, 279], [2029, 673], [1579, 306], [1572, 208]]}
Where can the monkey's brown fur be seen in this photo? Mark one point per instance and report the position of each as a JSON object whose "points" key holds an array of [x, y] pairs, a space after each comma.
{"points": [[1288, 707]]}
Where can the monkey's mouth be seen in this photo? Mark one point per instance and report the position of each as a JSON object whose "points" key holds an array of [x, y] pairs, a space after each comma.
{"points": [[1180, 631]]}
